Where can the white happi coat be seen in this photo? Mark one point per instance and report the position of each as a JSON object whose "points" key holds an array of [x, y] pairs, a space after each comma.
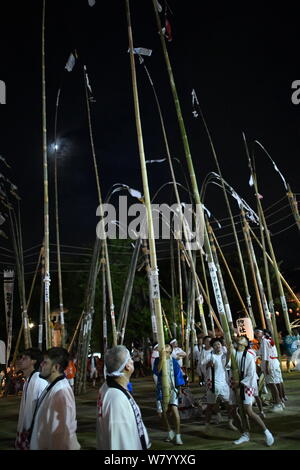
{"points": [[220, 373], [31, 392], [176, 351], [269, 353], [201, 365], [250, 375], [55, 421], [116, 424]]}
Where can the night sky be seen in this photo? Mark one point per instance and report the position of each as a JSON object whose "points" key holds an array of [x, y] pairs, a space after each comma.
{"points": [[241, 64]]}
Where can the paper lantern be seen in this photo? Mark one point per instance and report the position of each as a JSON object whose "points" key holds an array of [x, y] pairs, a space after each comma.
{"points": [[245, 328]]}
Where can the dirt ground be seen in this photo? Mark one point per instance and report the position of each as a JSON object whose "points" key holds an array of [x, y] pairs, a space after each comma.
{"points": [[285, 425]]}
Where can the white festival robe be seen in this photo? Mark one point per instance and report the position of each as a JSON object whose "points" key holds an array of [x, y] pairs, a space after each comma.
{"points": [[250, 375], [116, 424], [31, 392], [55, 421]]}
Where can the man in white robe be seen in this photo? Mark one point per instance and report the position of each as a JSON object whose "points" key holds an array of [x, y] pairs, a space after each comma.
{"points": [[245, 359], [55, 422], [119, 423], [177, 352], [29, 363]]}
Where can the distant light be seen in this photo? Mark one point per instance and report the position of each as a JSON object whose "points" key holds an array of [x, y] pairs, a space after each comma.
{"points": [[55, 147], [290, 310], [31, 324], [277, 313]]}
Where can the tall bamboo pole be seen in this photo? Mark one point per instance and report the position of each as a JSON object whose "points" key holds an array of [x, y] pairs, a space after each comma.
{"points": [[229, 273], [153, 259], [294, 206], [181, 314], [20, 275], [212, 267], [179, 211], [210, 315], [281, 276], [46, 197], [260, 295], [104, 242], [267, 233], [173, 285], [151, 301], [60, 289], [248, 298], [221, 281], [104, 315]]}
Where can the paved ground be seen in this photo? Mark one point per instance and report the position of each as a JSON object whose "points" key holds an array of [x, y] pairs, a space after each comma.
{"points": [[285, 426]]}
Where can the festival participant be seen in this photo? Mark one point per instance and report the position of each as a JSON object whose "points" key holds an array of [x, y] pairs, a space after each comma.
{"points": [[154, 355], [54, 422], [137, 358], [217, 367], [29, 362], [247, 384], [119, 422], [204, 353], [177, 352], [175, 380], [93, 368], [271, 369]]}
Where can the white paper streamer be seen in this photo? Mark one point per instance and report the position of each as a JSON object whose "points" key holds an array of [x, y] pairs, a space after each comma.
{"points": [[70, 63], [141, 51]]}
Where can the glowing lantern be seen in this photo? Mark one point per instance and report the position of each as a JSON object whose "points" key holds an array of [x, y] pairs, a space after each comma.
{"points": [[245, 328]]}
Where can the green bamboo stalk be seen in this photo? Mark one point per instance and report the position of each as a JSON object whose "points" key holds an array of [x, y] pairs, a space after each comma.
{"points": [[294, 206], [153, 259], [179, 205], [230, 214], [221, 281], [128, 290], [230, 275], [266, 232], [60, 289], [46, 197], [108, 275], [181, 314], [151, 301], [211, 264], [104, 315], [260, 296], [20, 275], [210, 315], [173, 286]]}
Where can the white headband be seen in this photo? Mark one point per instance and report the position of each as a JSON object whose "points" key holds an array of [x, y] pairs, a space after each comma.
{"points": [[118, 373], [173, 341]]}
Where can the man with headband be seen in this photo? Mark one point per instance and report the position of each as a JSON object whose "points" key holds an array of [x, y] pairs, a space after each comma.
{"points": [[247, 387], [119, 420], [177, 352]]}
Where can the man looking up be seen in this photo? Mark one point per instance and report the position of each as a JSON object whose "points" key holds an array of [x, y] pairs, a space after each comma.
{"points": [[54, 423], [29, 364], [119, 421]]}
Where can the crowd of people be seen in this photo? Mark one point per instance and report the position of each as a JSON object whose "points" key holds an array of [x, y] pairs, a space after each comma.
{"points": [[47, 414]]}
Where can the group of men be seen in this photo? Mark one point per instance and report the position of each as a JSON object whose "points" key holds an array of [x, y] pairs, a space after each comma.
{"points": [[47, 418]]}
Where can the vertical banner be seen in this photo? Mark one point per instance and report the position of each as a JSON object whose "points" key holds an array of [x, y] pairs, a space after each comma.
{"points": [[9, 277]]}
